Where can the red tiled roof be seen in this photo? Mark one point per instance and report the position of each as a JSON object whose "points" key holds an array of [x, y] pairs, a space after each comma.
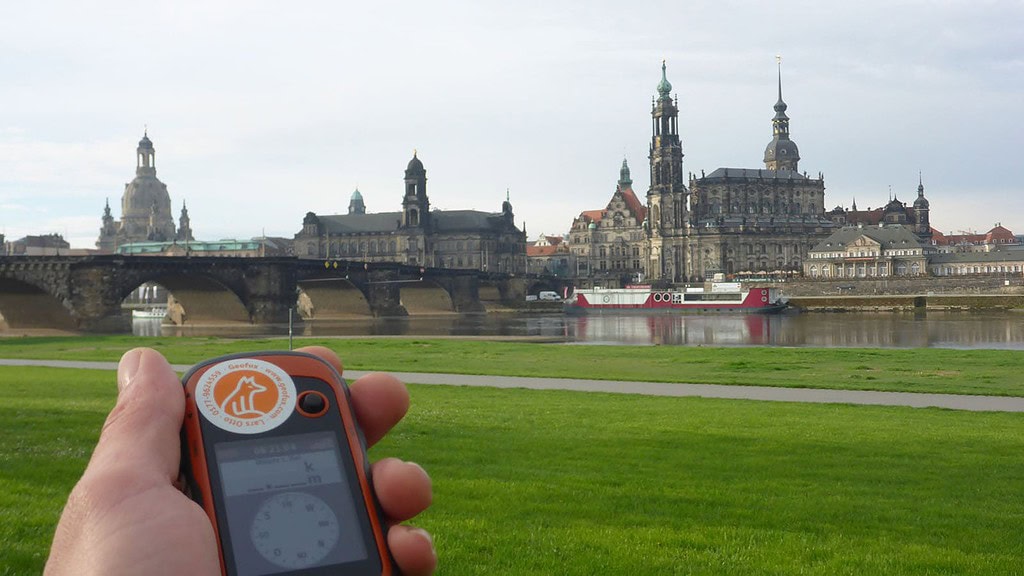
{"points": [[541, 250], [997, 235], [634, 203], [1000, 233]]}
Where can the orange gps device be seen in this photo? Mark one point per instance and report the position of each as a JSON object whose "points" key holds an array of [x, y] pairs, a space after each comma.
{"points": [[272, 452]]}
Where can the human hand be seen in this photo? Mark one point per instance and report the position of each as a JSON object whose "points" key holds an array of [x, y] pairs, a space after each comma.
{"points": [[127, 515]]}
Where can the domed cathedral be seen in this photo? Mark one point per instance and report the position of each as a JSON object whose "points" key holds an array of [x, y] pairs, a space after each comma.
{"points": [[611, 243], [417, 235], [668, 219], [749, 220], [145, 208]]}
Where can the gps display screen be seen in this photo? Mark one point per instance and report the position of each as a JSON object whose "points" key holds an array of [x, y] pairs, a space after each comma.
{"points": [[288, 504]]}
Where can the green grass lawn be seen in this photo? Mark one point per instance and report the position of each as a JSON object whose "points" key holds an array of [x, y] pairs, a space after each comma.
{"points": [[550, 482], [992, 372]]}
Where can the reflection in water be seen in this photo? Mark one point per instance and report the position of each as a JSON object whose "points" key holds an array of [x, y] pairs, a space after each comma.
{"points": [[862, 330]]}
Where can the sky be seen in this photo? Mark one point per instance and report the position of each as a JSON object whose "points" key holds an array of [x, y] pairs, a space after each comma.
{"points": [[261, 111]]}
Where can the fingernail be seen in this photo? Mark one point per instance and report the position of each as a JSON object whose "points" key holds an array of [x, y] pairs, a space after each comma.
{"points": [[428, 537], [127, 368]]}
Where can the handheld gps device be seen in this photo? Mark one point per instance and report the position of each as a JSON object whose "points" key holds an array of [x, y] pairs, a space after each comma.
{"points": [[272, 452]]}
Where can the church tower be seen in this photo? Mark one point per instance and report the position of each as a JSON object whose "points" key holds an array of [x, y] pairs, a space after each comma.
{"points": [[415, 204], [355, 204], [667, 197], [781, 153], [922, 227], [184, 233]]}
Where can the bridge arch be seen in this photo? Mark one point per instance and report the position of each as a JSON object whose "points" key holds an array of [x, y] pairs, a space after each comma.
{"points": [[23, 304], [426, 297], [331, 298], [194, 298]]}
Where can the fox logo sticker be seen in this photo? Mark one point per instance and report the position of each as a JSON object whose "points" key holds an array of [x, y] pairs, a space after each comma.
{"points": [[245, 396]]}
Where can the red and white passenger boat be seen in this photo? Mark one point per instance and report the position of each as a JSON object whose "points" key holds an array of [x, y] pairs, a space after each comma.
{"points": [[713, 297]]}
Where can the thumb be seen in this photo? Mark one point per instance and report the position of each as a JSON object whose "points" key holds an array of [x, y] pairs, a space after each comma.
{"points": [[141, 436]]}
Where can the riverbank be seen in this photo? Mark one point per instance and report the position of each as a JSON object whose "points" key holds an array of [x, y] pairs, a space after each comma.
{"points": [[910, 303], [943, 371]]}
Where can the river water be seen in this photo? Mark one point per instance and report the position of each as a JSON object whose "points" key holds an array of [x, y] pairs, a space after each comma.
{"points": [[861, 330]]}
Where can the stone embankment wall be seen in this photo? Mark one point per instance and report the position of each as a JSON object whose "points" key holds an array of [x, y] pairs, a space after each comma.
{"points": [[994, 293]]}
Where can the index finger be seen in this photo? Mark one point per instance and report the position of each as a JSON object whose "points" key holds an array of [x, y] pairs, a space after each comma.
{"points": [[379, 400]]}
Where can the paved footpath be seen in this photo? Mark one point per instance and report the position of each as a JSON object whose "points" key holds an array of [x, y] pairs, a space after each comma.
{"points": [[774, 394]]}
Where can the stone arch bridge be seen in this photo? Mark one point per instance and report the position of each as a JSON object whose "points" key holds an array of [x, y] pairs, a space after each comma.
{"points": [[85, 293]]}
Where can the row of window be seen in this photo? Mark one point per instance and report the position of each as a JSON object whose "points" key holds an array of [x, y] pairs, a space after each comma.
{"points": [[864, 254], [618, 265], [961, 270], [862, 270], [780, 208]]}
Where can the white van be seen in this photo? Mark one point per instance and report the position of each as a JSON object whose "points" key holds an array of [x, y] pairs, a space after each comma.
{"points": [[548, 295]]}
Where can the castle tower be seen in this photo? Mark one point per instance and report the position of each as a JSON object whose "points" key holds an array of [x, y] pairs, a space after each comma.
{"points": [[667, 197], [355, 204], [781, 153], [922, 227], [415, 204], [184, 226], [624, 180]]}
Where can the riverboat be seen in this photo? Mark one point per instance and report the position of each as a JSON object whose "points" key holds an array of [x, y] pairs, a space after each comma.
{"points": [[713, 297], [149, 313]]}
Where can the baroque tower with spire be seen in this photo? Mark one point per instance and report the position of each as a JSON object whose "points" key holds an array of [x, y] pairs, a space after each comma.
{"points": [[667, 211], [781, 153]]}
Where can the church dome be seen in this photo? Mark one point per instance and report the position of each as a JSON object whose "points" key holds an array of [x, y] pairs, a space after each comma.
{"points": [[145, 142], [415, 167], [779, 149], [356, 195]]}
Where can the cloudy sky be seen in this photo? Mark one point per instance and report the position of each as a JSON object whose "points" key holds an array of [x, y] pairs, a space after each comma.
{"points": [[262, 111]]}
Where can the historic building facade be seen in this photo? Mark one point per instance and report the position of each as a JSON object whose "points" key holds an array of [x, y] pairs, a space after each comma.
{"points": [[550, 255], [733, 220], [612, 243], [417, 235], [915, 217], [145, 208], [869, 252]]}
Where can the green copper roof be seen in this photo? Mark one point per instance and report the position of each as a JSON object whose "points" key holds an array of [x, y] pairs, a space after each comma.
{"points": [[664, 87], [356, 195]]}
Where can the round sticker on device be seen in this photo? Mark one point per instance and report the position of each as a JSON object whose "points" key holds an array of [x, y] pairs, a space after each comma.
{"points": [[245, 396]]}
